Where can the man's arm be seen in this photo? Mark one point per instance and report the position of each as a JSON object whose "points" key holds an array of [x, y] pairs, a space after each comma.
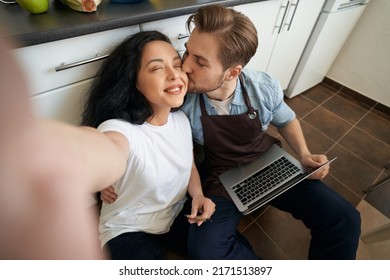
{"points": [[293, 135]]}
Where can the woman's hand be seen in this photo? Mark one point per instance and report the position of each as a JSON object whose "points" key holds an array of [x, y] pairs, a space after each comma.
{"points": [[202, 210]]}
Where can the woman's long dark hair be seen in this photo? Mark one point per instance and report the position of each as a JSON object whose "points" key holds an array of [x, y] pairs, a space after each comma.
{"points": [[113, 94]]}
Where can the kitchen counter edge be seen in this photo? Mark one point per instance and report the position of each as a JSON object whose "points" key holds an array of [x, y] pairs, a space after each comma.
{"points": [[82, 23]]}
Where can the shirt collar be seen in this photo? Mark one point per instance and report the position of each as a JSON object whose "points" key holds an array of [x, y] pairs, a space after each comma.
{"points": [[238, 94]]}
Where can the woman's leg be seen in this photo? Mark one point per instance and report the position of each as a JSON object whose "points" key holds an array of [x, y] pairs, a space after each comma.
{"points": [[333, 221], [135, 246], [218, 239]]}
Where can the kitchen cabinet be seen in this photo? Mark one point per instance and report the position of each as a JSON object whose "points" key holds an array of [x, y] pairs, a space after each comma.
{"points": [[174, 28], [264, 15], [64, 103], [60, 72], [284, 28], [333, 27]]}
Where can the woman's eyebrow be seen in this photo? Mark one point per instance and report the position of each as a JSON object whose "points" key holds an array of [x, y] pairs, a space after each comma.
{"points": [[161, 60], [154, 60], [177, 58]]}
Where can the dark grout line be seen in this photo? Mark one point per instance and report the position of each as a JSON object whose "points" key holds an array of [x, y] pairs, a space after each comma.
{"points": [[345, 186]]}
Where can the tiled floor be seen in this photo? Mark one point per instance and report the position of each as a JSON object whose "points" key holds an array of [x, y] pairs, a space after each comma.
{"points": [[359, 135]]}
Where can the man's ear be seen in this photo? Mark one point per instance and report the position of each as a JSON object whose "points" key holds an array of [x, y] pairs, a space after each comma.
{"points": [[234, 72]]}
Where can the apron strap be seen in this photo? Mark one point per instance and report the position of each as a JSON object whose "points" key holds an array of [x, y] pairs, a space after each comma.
{"points": [[251, 113]]}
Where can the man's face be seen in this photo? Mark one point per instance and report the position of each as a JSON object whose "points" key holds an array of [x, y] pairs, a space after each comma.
{"points": [[201, 63]]}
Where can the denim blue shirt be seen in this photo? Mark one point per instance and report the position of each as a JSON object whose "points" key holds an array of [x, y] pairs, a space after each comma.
{"points": [[265, 95]]}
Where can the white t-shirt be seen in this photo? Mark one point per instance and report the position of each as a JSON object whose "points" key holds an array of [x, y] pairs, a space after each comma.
{"points": [[153, 188]]}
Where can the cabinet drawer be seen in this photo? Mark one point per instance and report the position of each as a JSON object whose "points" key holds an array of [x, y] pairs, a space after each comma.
{"points": [[40, 61], [174, 28], [64, 104]]}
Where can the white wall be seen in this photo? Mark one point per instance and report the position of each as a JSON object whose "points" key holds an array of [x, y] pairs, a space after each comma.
{"points": [[363, 63]]}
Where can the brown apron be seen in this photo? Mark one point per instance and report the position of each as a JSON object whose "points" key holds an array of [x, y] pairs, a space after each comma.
{"points": [[230, 141]]}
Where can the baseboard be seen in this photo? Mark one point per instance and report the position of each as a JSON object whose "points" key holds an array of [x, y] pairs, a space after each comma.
{"points": [[349, 93]]}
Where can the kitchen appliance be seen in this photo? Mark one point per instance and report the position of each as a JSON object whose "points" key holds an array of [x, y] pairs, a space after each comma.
{"points": [[336, 21]]}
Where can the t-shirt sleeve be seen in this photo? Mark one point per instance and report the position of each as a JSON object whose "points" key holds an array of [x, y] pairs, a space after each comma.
{"points": [[282, 114], [119, 126]]}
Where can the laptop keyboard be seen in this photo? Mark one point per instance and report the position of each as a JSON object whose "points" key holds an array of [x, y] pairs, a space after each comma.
{"points": [[264, 180]]}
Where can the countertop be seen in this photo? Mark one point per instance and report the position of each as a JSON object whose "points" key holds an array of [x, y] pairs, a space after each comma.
{"points": [[61, 22]]}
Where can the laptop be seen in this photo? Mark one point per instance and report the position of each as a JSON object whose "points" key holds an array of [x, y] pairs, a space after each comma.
{"points": [[254, 184]]}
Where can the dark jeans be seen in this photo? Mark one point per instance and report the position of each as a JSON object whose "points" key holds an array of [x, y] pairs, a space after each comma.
{"points": [[219, 239], [333, 221], [145, 246]]}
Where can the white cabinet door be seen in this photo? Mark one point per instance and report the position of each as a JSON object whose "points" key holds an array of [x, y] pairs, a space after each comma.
{"points": [[64, 104], [174, 28], [266, 16], [294, 33], [58, 93], [324, 45], [40, 62]]}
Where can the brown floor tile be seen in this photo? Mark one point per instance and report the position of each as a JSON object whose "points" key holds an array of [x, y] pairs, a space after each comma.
{"points": [[380, 198], [317, 141], [351, 170], [301, 105], [376, 126], [371, 219], [319, 94], [255, 214], [262, 244], [276, 224], [367, 147], [382, 111], [357, 98], [340, 188], [328, 123], [345, 109], [245, 222]]}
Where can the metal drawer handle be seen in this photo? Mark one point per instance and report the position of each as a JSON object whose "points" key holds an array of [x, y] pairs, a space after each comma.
{"points": [[65, 66], [183, 36]]}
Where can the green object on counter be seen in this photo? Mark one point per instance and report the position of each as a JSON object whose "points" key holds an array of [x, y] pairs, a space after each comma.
{"points": [[34, 6]]}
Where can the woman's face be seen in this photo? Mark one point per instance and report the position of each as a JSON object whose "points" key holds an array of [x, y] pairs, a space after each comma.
{"points": [[160, 78]]}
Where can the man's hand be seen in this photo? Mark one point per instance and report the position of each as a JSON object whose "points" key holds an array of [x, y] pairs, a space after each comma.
{"points": [[108, 195], [314, 161]]}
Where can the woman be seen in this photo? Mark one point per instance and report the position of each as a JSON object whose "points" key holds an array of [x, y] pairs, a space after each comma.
{"points": [[130, 102]]}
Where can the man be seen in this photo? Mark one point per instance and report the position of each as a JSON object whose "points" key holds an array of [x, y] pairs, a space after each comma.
{"points": [[221, 43], [230, 108]]}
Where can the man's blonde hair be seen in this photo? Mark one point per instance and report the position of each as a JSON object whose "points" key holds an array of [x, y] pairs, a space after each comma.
{"points": [[235, 32]]}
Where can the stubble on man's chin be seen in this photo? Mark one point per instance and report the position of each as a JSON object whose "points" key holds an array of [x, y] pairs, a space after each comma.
{"points": [[193, 90]]}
